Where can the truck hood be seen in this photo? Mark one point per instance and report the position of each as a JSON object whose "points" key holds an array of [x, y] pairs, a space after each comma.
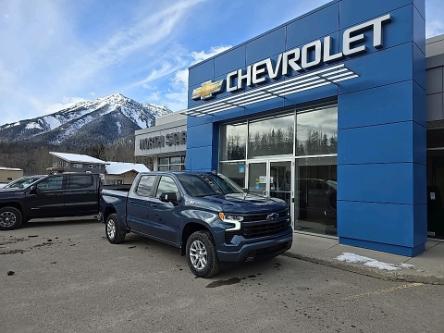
{"points": [[241, 203], [11, 193]]}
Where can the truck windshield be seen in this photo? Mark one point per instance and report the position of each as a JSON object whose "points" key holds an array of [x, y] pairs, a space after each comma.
{"points": [[21, 183], [200, 185]]}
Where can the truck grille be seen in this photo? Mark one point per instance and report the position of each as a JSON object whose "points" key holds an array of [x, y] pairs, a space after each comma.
{"points": [[259, 226], [263, 217]]}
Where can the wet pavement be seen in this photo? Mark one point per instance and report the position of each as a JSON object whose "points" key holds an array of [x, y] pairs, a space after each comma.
{"points": [[66, 277]]}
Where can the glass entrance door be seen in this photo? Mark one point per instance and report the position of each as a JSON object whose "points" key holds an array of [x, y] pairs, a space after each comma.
{"points": [[280, 181], [436, 193], [257, 178], [272, 179]]}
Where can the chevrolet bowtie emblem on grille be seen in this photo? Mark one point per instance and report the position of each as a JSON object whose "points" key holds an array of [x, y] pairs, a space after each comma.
{"points": [[207, 90], [272, 216]]}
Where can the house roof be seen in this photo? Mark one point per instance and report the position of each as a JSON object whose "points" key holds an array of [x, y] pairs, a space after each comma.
{"points": [[79, 158], [10, 169], [119, 168]]}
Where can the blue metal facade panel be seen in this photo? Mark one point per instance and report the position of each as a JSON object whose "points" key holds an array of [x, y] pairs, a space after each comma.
{"points": [[201, 73], [231, 60], [387, 143], [261, 47], [392, 183], [309, 28], [396, 106], [354, 12], [381, 124]]}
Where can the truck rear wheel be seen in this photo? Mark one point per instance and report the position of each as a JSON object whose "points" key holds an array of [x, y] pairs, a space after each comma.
{"points": [[10, 218], [201, 254], [113, 231]]}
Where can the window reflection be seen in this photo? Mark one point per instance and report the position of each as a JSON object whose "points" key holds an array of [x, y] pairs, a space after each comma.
{"points": [[233, 142], [257, 178], [234, 171], [316, 190], [317, 132], [271, 137]]}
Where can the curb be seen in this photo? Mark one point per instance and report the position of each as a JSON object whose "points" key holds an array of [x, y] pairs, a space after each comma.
{"points": [[398, 276]]}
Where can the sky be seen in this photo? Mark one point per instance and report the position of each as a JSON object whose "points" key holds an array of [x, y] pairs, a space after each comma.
{"points": [[57, 52]]}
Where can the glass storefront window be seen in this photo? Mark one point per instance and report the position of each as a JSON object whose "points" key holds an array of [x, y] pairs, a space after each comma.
{"points": [[163, 161], [435, 138], [175, 160], [316, 132], [435, 193], [316, 187], [235, 171], [273, 136], [303, 173], [176, 167], [173, 163], [233, 142]]}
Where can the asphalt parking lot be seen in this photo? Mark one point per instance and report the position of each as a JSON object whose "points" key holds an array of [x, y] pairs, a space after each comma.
{"points": [[66, 277]]}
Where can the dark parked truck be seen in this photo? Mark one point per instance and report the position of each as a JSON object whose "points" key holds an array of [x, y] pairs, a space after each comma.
{"points": [[74, 194], [205, 215]]}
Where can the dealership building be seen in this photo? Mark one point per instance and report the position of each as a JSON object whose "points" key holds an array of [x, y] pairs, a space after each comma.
{"points": [[339, 112], [165, 143]]}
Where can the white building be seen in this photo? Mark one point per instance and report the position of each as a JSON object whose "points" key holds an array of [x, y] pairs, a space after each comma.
{"points": [[118, 173]]}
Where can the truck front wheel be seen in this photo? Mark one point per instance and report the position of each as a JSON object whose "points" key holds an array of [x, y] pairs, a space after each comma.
{"points": [[201, 254], [10, 218], [113, 231]]}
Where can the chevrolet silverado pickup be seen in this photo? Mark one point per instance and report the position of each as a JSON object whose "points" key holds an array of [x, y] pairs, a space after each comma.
{"points": [[205, 215], [73, 194]]}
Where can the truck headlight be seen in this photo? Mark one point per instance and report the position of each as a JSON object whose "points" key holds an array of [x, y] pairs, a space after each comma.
{"points": [[233, 219]]}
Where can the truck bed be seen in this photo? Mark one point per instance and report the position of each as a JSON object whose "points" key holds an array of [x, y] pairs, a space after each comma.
{"points": [[120, 187]]}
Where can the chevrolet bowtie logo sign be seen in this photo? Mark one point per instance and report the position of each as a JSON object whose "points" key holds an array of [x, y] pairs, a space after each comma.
{"points": [[207, 90]]}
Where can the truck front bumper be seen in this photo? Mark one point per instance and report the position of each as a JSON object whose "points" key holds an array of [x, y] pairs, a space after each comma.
{"points": [[256, 249]]}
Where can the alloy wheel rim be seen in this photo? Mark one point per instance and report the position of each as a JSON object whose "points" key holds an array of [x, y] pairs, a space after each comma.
{"points": [[198, 255], [111, 229], [7, 219]]}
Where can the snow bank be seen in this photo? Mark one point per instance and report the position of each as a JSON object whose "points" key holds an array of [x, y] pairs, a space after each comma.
{"points": [[369, 262]]}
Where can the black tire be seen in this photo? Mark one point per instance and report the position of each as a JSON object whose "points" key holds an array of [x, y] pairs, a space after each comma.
{"points": [[10, 218], [198, 240], [117, 235]]}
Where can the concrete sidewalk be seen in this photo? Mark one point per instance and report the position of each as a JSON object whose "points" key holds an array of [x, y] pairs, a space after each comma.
{"points": [[426, 268]]}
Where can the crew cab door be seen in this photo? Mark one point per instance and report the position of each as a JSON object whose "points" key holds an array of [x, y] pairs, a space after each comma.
{"points": [[139, 217], [81, 195], [166, 219], [47, 199]]}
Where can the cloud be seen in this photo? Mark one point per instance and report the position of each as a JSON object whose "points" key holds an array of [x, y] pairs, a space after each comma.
{"points": [[148, 32], [65, 103], [176, 96], [203, 55], [434, 28], [48, 53]]}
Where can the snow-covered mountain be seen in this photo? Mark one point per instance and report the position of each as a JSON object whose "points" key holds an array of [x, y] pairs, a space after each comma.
{"points": [[102, 120]]}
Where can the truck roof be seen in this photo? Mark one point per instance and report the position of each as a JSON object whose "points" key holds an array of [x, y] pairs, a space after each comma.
{"points": [[178, 173]]}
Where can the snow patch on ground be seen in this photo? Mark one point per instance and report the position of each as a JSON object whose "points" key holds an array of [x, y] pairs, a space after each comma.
{"points": [[366, 261], [407, 266]]}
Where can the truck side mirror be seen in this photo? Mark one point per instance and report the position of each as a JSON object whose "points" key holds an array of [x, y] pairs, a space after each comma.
{"points": [[33, 189], [169, 197]]}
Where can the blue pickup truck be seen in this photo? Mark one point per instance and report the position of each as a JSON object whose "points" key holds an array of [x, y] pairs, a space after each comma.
{"points": [[206, 215]]}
